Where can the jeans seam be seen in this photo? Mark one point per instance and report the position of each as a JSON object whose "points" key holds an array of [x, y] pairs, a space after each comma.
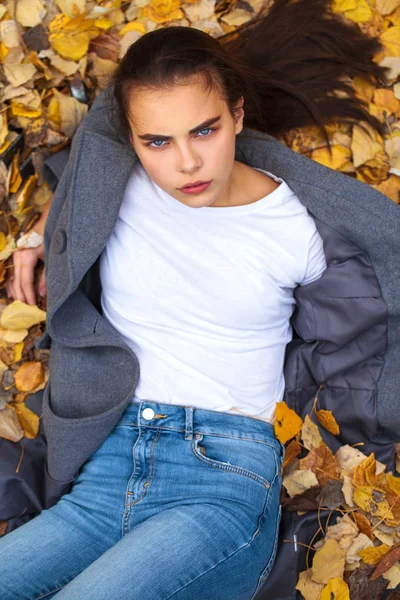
{"points": [[51, 592], [128, 505], [267, 569], [224, 435]]}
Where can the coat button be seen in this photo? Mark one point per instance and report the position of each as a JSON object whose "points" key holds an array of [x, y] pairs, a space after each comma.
{"points": [[148, 414], [60, 241]]}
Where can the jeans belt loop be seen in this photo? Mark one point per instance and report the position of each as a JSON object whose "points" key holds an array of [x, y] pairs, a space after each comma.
{"points": [[189, 422]]}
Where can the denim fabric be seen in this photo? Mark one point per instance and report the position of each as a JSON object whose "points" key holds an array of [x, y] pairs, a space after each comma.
{"points": [[178, 502]]}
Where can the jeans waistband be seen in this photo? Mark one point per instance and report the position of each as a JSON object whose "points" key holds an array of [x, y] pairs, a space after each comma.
{"points": [[191, 420]]}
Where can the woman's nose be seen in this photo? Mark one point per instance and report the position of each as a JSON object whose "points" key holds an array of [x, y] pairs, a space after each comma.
{"points": [[188, 161]]}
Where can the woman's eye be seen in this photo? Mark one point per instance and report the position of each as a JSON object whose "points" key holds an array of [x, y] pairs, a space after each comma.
{"points": [[154, 141]]}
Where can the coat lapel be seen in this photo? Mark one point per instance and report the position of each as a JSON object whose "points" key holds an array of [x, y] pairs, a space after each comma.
{"points": [[104, 167]]}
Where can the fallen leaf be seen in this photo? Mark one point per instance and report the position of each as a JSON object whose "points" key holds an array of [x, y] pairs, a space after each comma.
{"points": [[328, 562]]}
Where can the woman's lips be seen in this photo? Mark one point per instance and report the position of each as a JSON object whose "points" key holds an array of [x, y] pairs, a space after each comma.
{"points": [[197, 189]]}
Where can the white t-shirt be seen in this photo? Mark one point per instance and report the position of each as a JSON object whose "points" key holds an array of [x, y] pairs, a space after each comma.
{"points": [[204, 295]]}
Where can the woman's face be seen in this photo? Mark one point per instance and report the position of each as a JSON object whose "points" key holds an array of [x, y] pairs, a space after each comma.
{"points": [[193, 150]]}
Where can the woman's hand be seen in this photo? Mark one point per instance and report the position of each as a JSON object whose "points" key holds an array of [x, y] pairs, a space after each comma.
{"points": [[20, 286]]}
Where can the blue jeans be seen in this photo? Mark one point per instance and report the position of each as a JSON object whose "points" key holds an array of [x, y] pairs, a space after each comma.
{"points": [[178, 502]]}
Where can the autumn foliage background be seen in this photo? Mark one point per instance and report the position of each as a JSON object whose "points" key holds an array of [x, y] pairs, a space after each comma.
{"points": [[56, 56]]}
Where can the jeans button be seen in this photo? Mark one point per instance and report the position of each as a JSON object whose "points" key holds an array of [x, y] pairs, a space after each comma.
{"points": [[148, 414]]}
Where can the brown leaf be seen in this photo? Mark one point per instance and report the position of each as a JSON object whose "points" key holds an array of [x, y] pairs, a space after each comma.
{"points": [[331, 495], [308, 500], [362, 588], [363, 524], [292, 450], [386, 562], [106, 46], [321, 462]]}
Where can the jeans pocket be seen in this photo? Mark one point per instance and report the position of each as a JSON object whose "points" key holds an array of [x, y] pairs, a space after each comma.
{"points": [[258, 460]]}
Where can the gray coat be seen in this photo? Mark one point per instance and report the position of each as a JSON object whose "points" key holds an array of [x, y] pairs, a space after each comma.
{"points": [[346, 324]]}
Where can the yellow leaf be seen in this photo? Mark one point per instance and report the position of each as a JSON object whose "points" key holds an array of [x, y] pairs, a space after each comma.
{"points": [[337, 589], [387, 100], [340, 157], [364, 89], [328, 421], [3, 51], [53, 112], [161, 11], [3, 241], [328, 562], [340, 6], [15, 176], [30, 13], [13, 335], [133, 26], [287, 422], [19, 315], [28, 419], [29, 376], [372, 501], [104, 23], [394, 483], [3, 128], [373, 555], [361, 14], [18, 349], [25, 194], [70, 37], [391, 40], [19, 110], [71, 8]]}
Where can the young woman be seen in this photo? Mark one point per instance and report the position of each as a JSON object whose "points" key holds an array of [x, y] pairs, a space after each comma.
{"points": [[173, 471]]}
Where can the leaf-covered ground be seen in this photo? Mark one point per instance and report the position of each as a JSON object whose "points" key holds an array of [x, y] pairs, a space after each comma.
{"points": [[56, 56]]}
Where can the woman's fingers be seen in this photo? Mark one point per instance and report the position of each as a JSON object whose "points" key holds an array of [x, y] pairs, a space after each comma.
{"points": [[42, 289], [24, 268]]}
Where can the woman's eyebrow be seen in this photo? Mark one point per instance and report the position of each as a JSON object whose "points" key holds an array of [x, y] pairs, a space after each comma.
{"points": [[154, 136]]}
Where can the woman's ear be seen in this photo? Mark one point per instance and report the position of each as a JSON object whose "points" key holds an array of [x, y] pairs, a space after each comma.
{"points": [[239, 114]]}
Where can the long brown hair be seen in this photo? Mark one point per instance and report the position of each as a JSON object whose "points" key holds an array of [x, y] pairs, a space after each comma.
{"points": [[293, 63]]}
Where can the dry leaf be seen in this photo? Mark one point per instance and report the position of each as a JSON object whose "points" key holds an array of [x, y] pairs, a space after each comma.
{"points": [[310, 434], [71, 112], [321, 462], [328, 421], [28, 419], [328, 562], [29, 376], [10, 428], [19, 315], [287, 422], [364, 146], [309, 589], [373, 555], [336, 589], [30, 12], [299, 481]]}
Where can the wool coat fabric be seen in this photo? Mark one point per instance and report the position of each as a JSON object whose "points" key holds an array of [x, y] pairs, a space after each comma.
{"points": [[346, 324]]}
